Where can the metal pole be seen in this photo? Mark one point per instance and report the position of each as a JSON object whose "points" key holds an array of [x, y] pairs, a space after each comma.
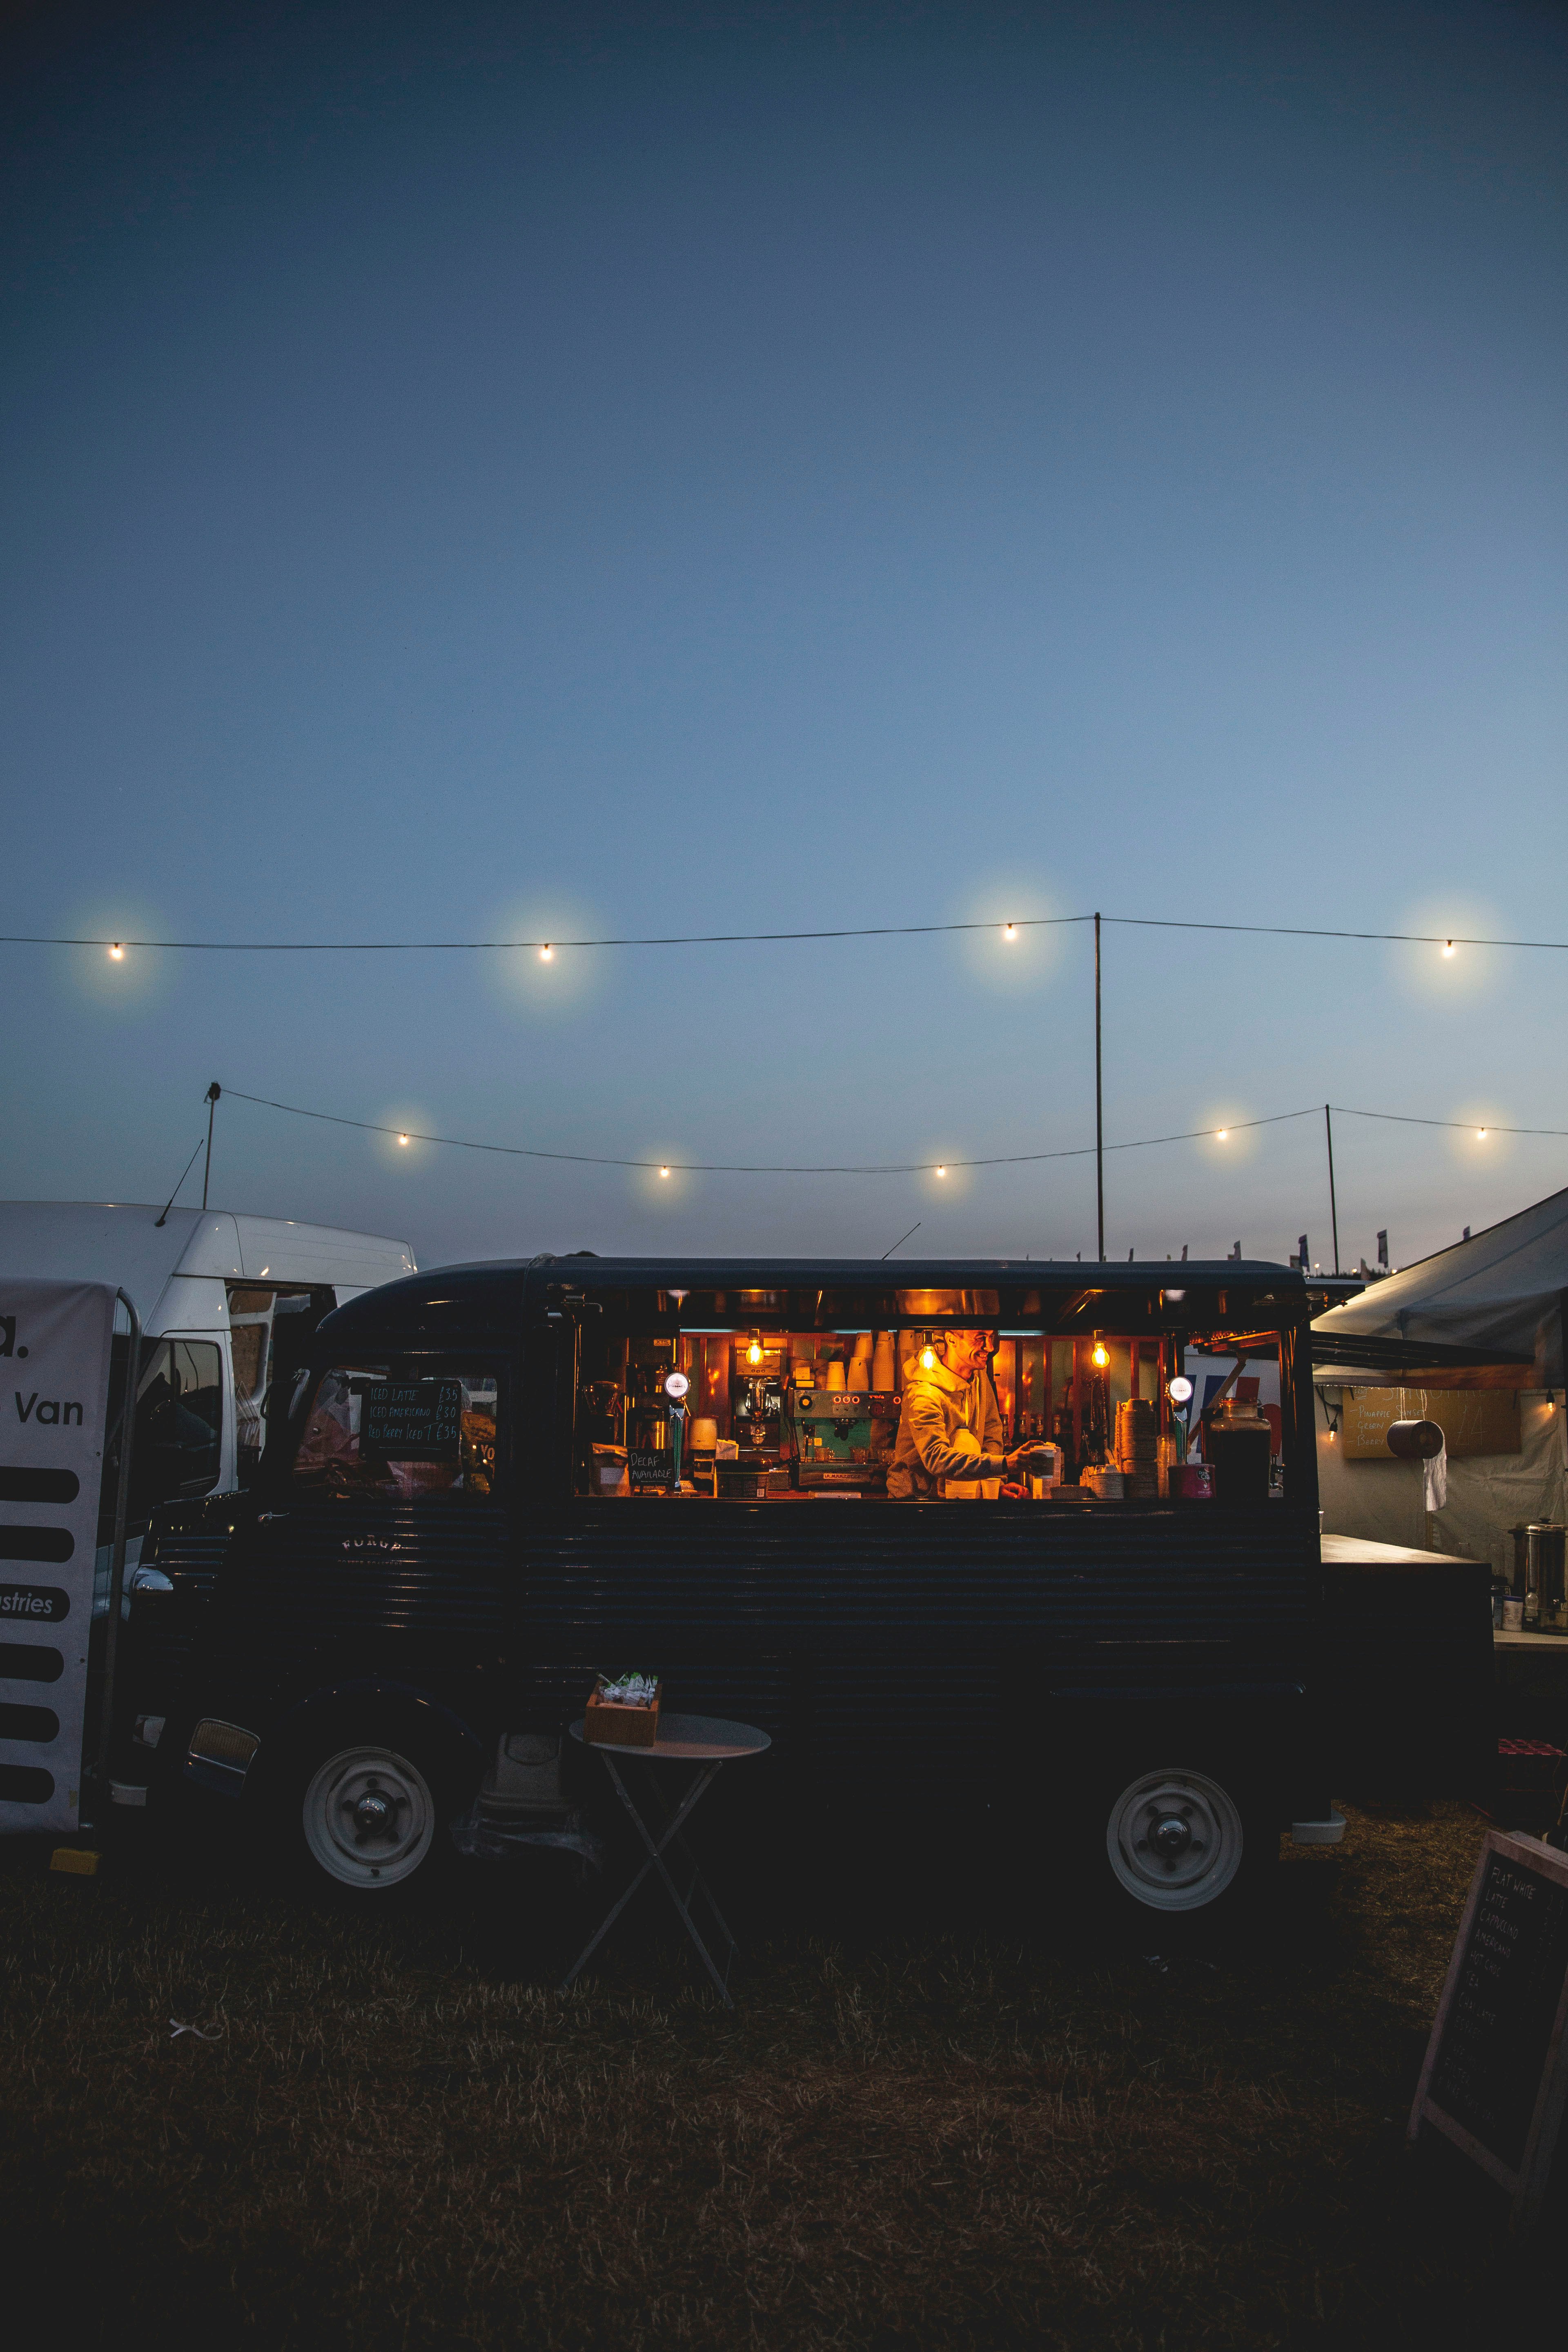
{"points": [[117, 1557], [1333, 1204], [213, 1093], [1099, 1104]]}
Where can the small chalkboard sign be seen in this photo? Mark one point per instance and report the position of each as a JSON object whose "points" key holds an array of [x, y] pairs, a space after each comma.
{"points": [[650, 1466], [1496, 2073], [412, 1420]]}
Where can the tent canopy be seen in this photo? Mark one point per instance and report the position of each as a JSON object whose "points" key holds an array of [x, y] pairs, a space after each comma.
{"points": [[1500, 1291]]}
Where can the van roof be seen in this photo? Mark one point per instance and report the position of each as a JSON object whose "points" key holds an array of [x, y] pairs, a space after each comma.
{"points": [[139, 1248], [489, 1302]]}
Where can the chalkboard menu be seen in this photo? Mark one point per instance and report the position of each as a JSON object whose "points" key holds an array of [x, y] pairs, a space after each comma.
{"points": [[650, 1466], [412, 1421], [1496, 2070]]}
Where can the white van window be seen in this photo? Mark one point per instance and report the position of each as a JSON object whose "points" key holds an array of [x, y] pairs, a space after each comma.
{"points": [[370, 1432], [253, 1312], [179, 1424]]}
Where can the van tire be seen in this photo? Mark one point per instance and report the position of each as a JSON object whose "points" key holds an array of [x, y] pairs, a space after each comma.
{"points": [[1182, 1842], [365, 1811]]}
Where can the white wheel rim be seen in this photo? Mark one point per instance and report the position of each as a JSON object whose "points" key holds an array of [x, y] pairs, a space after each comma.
{"points": [[1175, 1839], [369, 1817]]}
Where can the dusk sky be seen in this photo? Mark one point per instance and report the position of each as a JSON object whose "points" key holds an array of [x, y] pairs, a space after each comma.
{"points": [[474, 473]]}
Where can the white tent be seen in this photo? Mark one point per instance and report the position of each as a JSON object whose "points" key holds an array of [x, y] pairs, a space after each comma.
{"points": [[1502, 1288], [1501, 1291]]}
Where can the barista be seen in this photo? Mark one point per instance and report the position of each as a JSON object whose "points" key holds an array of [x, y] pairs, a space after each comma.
{"points": [[950, 1428]]}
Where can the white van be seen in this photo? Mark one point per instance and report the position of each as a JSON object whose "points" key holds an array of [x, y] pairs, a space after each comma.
{"points": [[223, 1300]]}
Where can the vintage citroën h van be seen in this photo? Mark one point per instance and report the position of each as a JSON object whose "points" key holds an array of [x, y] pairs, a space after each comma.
{"points": [[492, 1482]]}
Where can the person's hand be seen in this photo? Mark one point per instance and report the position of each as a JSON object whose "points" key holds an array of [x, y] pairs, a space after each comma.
{"points": [[1022, 1457], [1012, 1492]]}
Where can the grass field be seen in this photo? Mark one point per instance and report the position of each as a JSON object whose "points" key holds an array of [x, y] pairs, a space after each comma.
{"points": [[909, 2134]]}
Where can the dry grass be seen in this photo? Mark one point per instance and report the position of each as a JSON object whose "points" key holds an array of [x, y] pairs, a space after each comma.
{"points": [[905, 2138]]}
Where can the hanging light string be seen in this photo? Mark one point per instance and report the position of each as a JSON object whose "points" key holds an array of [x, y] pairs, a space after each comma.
{"points": [[547, 948], [406, 1135]]}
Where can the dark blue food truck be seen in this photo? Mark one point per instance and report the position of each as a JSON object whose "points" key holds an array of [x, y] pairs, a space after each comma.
{"points": [[954, 1534]]}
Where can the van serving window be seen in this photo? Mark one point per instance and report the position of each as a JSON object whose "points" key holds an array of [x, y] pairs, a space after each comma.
{"points": [[373, 1429], [926, 1396]]}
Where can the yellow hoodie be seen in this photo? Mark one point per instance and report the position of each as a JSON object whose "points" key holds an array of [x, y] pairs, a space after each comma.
{"points": [[949, 1430]]}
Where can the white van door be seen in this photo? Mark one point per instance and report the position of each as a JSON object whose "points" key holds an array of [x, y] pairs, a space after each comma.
{"points": [[55, 1348]]}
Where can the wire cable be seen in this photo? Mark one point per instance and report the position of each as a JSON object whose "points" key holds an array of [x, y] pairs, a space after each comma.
{"points": [[752, 1168], [758, 939]]}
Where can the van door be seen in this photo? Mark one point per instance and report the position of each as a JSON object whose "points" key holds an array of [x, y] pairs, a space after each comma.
{"points": [[379, 1552]]}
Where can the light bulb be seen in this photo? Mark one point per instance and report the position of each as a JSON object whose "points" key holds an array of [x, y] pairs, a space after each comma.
{"points": [[928, 1359], [402, 1139], [664, 1171], [116, 953], [1448, 947], [754, 1352], [942, 1171], [1009, 930], [1100, 1355], [1480, 1135], [1179, 1389], [1222, 1132], [545, 952]]}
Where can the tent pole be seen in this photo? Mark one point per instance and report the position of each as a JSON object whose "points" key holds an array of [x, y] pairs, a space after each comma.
{"points": [[1099, 1105], [1333, 1204]]}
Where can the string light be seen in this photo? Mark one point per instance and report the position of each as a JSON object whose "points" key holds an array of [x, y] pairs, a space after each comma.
{"points": [[545, 952], [1221, 1133], [116, 953], [757, 939], [402, 1139], [942, 1171], [1480, 1135], [857, 1168]]}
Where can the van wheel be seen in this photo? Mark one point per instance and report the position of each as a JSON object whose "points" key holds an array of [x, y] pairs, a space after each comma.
{"points": [[371, 1818], [1175, 1840]]}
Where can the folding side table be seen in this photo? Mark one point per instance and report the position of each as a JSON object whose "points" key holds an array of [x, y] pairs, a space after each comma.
{"points": [[710, 1743]]}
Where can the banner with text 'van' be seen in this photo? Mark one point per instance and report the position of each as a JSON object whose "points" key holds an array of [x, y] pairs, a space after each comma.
{"points": [[54, 1341]]}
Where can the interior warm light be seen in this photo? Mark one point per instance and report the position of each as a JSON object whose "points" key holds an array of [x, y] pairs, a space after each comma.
{"points": [[116, 953], [1180, 1390], [402, 1139], [675, 1385], [754, 1352], [928, 1359], [1009, 930], [1099, 1355], [1448, 947], [545, 952]]}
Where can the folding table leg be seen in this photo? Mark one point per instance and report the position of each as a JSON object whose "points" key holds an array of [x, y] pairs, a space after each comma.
{"points": [[699, 1882], [655, 1861]]}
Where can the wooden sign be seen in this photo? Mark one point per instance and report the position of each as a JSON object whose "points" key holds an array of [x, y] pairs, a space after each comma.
{"points": [[412, 1420], [1496, 2073]]}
